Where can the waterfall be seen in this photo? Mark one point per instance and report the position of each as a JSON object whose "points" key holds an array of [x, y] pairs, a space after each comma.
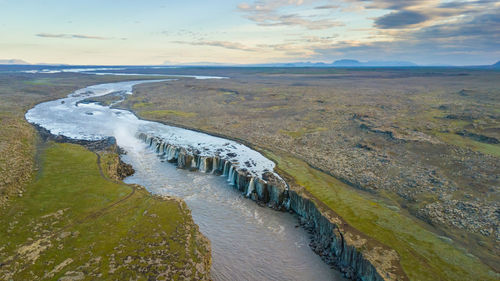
{"points": [[287, 203], [234, 177], [230, 176], [169, 152], [205, 164], [202, 164], [251, 187], [226, 168], [193, 163], [215, 164]]}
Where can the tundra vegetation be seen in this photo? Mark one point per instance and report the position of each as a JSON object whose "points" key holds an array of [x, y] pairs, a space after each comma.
{"points": [[408, 156], [65, 213]]}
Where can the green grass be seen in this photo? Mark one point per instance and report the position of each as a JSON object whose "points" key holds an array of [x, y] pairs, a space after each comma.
{"points": [[302, 131], [424, 256], [67, 211], [40, 81], [486, 148], [141, 105], [166, 113]]}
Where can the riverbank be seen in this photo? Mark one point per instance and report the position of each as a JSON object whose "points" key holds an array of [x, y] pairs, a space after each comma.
{"points": [[66, 214], [348, 250], [215, 108], [281, 243], [73, 221]]}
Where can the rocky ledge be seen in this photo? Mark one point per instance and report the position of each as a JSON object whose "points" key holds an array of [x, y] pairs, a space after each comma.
{"points": [[354, 254], [160, 261]]}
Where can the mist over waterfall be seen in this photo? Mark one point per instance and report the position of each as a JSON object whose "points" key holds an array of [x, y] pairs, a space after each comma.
{"points": [[125, 135]]}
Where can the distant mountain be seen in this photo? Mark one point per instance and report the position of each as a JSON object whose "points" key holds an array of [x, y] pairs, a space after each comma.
{"points": [[496, 65], [305, 64], [13, 61], [356, 63], [168, 63], [53, 64], [338, 63], [347, 62]]}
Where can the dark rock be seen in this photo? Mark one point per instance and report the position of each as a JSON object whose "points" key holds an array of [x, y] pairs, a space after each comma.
{"points": [[478, 137]]}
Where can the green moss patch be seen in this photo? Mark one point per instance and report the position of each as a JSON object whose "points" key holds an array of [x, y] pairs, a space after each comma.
{"points": [[73, 222], [424, 255], [166, 113]]}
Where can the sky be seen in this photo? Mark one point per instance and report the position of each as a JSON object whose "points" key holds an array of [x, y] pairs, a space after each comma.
{"points": [[153, 32]]}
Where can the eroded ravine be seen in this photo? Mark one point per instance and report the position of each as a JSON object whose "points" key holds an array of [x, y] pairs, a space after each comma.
{"points": [[248, 242]]}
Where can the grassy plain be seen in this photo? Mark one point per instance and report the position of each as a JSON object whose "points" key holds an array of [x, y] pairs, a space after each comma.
{"points": [[424, 254], [72, 222], [65, 215]]}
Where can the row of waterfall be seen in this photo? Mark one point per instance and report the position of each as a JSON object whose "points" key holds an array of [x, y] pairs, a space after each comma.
{"points": [[266, 188], [328, 239]]}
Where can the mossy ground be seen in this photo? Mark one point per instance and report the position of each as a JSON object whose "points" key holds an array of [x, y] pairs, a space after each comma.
{"points": [[167, 113], [424, 255], [394, 132], [260, 112], [64, 220], [73, 222]]}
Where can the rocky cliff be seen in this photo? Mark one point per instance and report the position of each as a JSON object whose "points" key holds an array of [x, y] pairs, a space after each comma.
{"points": [[357, 256]]}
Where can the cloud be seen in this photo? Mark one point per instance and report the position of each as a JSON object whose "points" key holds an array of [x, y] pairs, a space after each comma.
{"points": [[222, 44], [293, 20], [465, 4], [424, 31], [327, 7], [72, 36], [482, 28], [267, 13], [315, 39], [270, 5], [399, 19], [465, 41], [422, 13], [290, 49], [393, 4]]}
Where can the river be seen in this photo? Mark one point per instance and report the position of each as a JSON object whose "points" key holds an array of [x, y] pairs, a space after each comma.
{"points": [[249, 242]]}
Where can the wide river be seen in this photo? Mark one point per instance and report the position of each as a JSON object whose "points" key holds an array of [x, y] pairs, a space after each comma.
{"points": [[248, 242]]}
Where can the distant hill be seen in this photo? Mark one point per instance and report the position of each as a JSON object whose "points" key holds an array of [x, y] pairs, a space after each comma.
{"points": [[356, 63], [346, 62], [497, 65], [338, 63], [13, 61]]}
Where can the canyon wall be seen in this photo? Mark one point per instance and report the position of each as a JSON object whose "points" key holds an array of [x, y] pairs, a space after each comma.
{"points": [[358, 257]]}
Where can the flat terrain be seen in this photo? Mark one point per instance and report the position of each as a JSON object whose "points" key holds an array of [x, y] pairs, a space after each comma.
{"points": [[66, 215], [420, 144], [72, 223]]}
